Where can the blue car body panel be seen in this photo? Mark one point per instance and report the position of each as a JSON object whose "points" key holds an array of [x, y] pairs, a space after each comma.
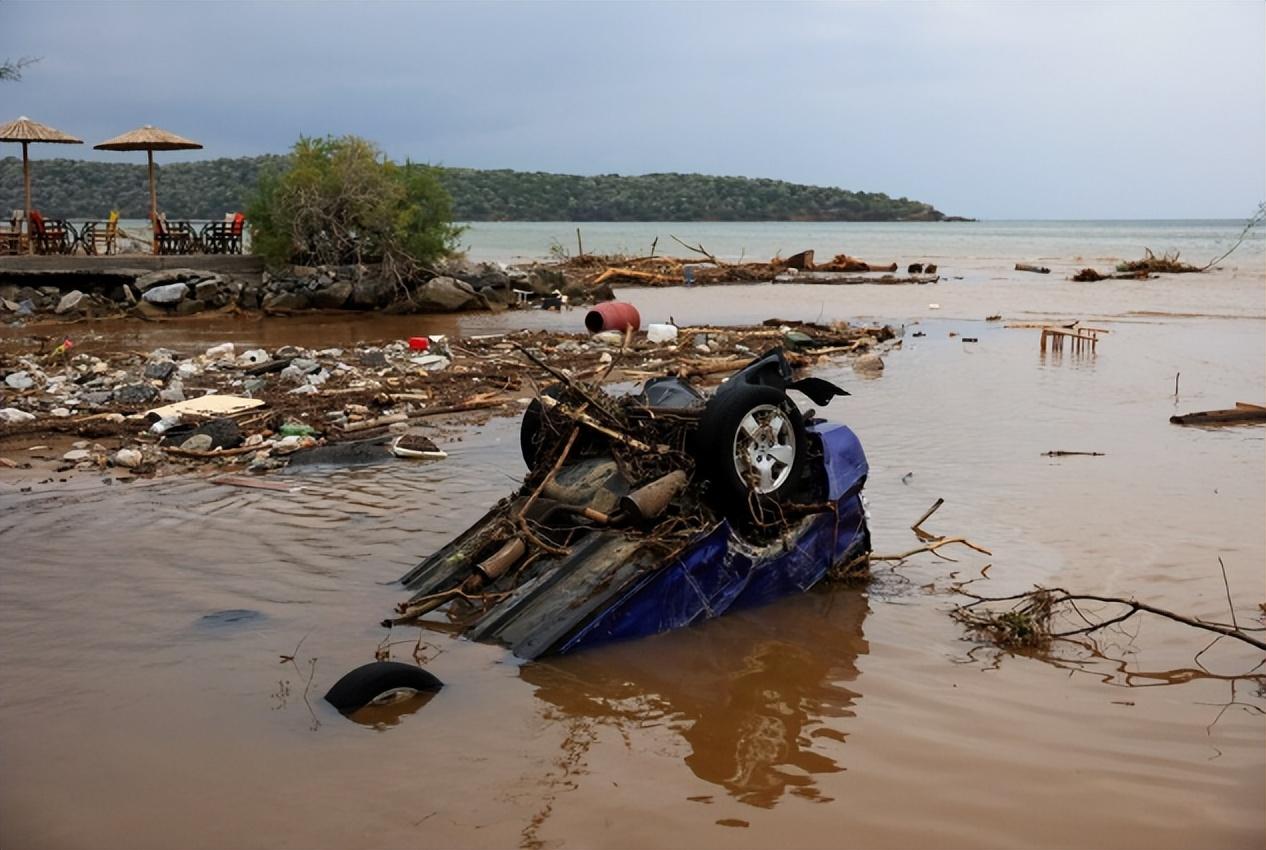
{"points": [[720, 571]]}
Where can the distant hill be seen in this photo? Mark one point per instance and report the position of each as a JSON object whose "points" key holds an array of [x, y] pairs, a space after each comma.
{"points": [[67, 188]]}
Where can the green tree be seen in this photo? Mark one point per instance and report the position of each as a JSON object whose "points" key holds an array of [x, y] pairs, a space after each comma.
{"points": [[340, 200]]}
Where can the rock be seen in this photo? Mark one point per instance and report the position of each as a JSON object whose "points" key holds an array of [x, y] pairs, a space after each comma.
{"points": [[19, 380], [370, 292], [13, 416], [96, 397], [373, 359], [76, 455], [159, 278], [223, 433], [445, 294], [127, 458], [281, 301], [172, 293], [135, 394], [305, 365], [197, 443], [871, 363], [222, 351], [545, 281], [332, 296], [159, 370], [129, 295], [205, 290], [188, 308], [146, 310], [59, 412], [175, 392], [69, 301]]}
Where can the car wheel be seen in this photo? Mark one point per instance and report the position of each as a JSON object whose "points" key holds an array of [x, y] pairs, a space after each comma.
{"points": [[379, 682], [530, 429], [753, 443]]}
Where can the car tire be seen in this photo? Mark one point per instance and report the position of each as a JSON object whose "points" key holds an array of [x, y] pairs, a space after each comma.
{"points": [[377, 679], [532, 424], [752, 444]]}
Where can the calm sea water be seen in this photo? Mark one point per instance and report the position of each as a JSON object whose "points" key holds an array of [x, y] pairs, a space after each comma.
{"points": [[970, 244], [1068, 241]]}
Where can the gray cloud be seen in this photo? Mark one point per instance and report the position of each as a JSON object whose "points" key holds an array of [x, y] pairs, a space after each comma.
{"points": [[998, 110]]}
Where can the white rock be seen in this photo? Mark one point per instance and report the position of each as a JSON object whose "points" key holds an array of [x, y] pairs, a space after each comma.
{"points": [[59, 412], [224, 349], [19, 381], [76, 455], [127, 458], [12, 415]]}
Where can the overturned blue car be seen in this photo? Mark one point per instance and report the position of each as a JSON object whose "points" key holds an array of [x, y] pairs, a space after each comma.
{"points": [[644, 513]]}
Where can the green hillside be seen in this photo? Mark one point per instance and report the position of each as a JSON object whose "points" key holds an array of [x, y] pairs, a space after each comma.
{"points": [[66, 188]]}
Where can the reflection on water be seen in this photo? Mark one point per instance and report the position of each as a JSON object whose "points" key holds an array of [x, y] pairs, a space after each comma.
{"points": [[759, 697]]}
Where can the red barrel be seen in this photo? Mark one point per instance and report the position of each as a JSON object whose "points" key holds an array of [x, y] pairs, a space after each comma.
{"points": [[612, 316]]}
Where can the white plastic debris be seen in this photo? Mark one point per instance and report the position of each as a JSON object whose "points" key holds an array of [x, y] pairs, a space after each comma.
{"points": [[661, 333]]}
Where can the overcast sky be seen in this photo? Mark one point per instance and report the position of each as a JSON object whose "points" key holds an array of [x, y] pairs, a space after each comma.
{"points": [[1014, 110]]}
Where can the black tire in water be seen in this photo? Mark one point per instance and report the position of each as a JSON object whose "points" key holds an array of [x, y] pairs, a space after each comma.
{"points": [[370, 681], [751, 444]]}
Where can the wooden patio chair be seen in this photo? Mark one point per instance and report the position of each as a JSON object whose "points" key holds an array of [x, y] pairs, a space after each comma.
{"points": [[99, 238], [12, 240], [52, 235], [177, 237], [224, 237]]}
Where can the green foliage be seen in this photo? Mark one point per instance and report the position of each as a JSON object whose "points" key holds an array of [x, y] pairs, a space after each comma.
{"points": [[210, 188], [339, 200]]}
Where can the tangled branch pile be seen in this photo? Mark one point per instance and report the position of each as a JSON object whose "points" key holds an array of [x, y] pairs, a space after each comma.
{"points": [[596, 269], [1152, 264]]}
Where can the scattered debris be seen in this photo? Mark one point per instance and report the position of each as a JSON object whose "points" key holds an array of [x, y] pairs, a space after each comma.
{"points": [[1088, 276], [1082, 339], [263, 409], [1062, 453]]}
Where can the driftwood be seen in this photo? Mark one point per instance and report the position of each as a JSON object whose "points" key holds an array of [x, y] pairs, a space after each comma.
{"points": [[1062, 453], [1029, 267], [1243, 413]]}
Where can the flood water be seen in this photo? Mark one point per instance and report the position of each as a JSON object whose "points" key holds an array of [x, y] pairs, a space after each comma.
{"points": [[143, 704]]}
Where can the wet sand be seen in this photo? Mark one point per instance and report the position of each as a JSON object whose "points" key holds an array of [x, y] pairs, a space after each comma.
{"points": [[135, 712]]}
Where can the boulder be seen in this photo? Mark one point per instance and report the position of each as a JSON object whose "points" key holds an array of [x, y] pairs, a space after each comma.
{"points": [[171, 293], [206, 290], [332, 296], [445, 294], [160, 278], [127, 458], [370, 292], [69, 301], [285, 301], [188, 308]]}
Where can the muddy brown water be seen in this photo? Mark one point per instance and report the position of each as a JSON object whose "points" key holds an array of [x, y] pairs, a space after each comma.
{"points": [[142, 702]]}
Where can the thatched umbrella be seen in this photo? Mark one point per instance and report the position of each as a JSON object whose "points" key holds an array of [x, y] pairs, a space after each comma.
{"points": [[149, 139], [25, 130]]}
